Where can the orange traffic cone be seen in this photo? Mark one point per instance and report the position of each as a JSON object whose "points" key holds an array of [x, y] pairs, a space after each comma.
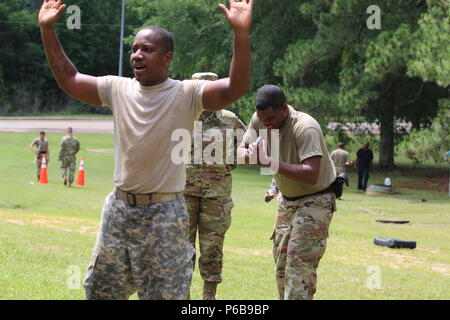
{"points": [[80, 179], [43, 179]]}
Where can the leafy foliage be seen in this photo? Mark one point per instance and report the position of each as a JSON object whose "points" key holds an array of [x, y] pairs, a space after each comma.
{"points": [[321, 52], [430, 143]]}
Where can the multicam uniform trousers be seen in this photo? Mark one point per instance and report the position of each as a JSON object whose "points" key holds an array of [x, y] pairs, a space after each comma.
{"points": [[299, 242], [212, 219]]}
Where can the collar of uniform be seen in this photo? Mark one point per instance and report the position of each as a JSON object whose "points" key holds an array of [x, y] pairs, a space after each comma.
{"points": [[288, 120]]}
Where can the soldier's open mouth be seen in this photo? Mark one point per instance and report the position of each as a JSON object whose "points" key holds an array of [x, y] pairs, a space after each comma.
{"points": [[139, 68]]}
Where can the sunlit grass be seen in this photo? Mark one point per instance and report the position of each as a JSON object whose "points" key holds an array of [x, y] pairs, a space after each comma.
{"points": [[47, 233]]}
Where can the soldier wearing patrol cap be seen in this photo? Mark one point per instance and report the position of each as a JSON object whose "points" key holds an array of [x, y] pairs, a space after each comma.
{"points": [[69, 147], [208, 197]]}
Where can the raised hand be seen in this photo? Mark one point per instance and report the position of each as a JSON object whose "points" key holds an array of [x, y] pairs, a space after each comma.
{"points": [[239, 16], [50, 12]]}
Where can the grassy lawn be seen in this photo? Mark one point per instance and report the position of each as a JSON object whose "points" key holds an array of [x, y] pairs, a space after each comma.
{"points": [[47, 233]]}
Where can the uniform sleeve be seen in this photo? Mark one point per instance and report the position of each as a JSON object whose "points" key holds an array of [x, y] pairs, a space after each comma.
{"points": [[239, 124], [333, 156], [194, 94], [308, 144], [33, 143], [105, 87], [251, 134], [371, 155], [61, 149]]}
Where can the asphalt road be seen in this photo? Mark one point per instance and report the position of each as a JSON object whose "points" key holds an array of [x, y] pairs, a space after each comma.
{"points": [[106, 126], [99, 126]]}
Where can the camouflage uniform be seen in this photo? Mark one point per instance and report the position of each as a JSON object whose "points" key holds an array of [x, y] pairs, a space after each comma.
{"points": [[208, 197], [299, 242], [143, 249], [40, 146], [69, 147]]}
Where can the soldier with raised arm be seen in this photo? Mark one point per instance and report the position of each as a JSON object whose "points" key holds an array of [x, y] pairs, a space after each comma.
{"points": [[143, 244]]}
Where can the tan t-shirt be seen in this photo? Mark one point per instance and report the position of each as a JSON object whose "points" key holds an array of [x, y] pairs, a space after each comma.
{"points": [[300, 138], [340, 158], [144, 120]]}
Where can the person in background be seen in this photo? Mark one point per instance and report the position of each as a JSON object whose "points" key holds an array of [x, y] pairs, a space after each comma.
{"points": [[364, 158], [68, 149], [39, 146], [208, 196], [341, 159]]}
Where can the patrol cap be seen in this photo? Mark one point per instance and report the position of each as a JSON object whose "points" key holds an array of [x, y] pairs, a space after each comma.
{"points": [[205, 76]]}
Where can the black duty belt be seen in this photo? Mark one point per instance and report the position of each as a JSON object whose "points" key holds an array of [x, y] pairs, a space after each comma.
{"points": [[327, 190]]}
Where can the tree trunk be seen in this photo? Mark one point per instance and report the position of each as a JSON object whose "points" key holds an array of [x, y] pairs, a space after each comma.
{"points": [[387, 139]]}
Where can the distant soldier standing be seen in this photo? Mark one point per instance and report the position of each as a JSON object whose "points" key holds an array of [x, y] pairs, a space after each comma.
{"points": [[39, 146], [69, 147], [341, 158], [208, 198]]}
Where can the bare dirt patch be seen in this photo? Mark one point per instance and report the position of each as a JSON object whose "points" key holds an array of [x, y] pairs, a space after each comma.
{"points": [[253, 252], [371, 211], [17, 222], [101, 150], [441, 268], [430, 182], [61, 224]]}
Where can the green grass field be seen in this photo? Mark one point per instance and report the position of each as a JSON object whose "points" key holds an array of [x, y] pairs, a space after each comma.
{"points": [[47, 233]]}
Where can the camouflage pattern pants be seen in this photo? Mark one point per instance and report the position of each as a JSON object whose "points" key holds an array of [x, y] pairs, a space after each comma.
{"points": [[38, 166], [68, 164], [299, 242], [212, 218], [143, 249]]}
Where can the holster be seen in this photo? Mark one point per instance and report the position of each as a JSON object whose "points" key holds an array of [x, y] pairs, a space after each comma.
{"points": [[338, 184]]}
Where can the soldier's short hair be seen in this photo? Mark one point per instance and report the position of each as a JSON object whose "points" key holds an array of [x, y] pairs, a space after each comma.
{"points": [[164, 35], [341, 145], [42, 132], [270, 96], [70, 129]]}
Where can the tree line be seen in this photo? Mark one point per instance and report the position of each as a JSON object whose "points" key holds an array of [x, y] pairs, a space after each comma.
{"points": [[321, 52]]}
